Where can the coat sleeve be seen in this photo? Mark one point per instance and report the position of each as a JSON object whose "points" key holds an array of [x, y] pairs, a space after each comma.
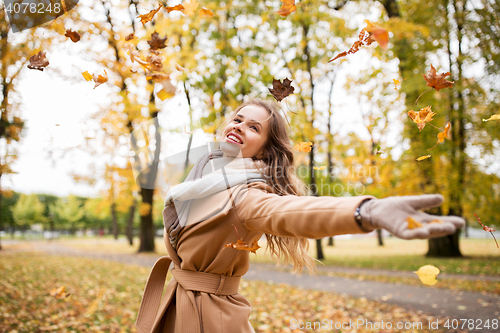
{"points": [[297, 216]]}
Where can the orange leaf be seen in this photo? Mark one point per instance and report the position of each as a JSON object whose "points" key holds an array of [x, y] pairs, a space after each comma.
{"points": [[38, 61], [364, 39], [421, 118], [145, 18], [304, 147], [59, 293], [287, 7], [437, 81], [242, 246], [177, 7], [100, 79], [379, 34], [445, 134], [396, 82], [281, 90], [412, 223], [75, 36], [206, 12]]}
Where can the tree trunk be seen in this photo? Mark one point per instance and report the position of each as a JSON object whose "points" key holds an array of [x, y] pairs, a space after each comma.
{"points": [[130, 224], [114, 223], [379, 237], [330, 241], [147, 232], [319, 248], [446, 246]]}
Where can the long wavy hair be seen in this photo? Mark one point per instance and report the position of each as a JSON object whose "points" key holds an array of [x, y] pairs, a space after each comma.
{"points": [[280, 175]]}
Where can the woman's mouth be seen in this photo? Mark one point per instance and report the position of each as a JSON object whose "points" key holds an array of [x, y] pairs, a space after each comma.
{"points": [[233, 138]]}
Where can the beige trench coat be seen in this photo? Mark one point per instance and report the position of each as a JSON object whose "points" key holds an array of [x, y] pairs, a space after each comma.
{"points": [[209, 302]]}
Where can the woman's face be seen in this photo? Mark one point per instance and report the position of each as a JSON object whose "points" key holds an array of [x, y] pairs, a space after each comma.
{"points": [[249, 130]]}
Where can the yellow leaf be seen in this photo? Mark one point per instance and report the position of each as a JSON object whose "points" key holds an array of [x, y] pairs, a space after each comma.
{"points": [[190, 7], [168, 90], [493, 117], [422, 117], [87, 76], [396, 82], [144, 209], [421, 158], [100, 79], [59, 293], [323, 167], [95, 303], [304, 147], [427, 274], [412, 223]]}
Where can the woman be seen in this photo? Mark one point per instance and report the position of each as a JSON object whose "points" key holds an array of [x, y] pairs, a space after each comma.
{"points": [[254, 190]]}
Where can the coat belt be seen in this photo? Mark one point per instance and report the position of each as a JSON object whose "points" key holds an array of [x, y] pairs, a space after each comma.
{"points": [[187, 282]]}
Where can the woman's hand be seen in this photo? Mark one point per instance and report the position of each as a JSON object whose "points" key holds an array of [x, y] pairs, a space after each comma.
{"points": [[391, 214]]}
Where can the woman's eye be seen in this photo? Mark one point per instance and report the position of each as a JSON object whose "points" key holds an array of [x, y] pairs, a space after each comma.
{"points": [[254, 127], [237, 120]]}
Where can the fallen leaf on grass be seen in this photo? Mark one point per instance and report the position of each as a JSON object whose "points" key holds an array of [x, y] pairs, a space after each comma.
{"points": [[95, 303], [59, 293], [281, 90], [427, 274]]}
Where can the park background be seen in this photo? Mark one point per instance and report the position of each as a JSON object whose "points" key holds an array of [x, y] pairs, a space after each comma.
{"points": [[69, 164]]}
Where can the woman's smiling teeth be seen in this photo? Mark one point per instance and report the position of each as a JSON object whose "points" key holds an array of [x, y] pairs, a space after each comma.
{"points": [[234, 138]]}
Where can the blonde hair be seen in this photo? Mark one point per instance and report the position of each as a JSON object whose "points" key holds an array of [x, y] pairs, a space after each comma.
{"points": [[280, 174]]}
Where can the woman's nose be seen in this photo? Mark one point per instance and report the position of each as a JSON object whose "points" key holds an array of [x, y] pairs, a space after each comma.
{"points": [[237, 127]]}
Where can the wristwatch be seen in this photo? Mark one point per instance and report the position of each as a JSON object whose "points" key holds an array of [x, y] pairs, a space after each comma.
{"points": [[363, 225]]}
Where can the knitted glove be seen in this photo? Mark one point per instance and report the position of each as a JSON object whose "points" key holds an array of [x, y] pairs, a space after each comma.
{"points": [[391, 214]]}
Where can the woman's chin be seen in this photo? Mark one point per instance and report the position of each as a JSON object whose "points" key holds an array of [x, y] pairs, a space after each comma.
{"points": [[230, 148]]}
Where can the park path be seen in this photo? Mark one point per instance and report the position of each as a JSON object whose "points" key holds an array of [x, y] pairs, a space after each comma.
{"points": [[439, 302]]}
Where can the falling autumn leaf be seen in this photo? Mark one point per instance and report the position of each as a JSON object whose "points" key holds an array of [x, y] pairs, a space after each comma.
{"points": [[87, 76], [38, 61], [130, 37], [378, 34], [445, 134], [177, 7], [493, 117], [206, 12], [156, 42], [100, 79], [304, 147], [75, 36], [323, 167], [412, 223], [427, 274], [287, 7], [190, 7], [422, 117], [364, 39], [396, 83], [486, 228], [145, 18], [59, 293], [95, 303], [421, 158], [167, 91], [437, 81], [241, 245], [281, 90]]}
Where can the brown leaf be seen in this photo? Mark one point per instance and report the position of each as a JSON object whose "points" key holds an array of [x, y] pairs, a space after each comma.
{"points": [[75, 36], [130, 37], [421, 118], [155, 61], [38, 61], [287, 7], [281, 90], [437, 81], [145, 18], [177, 7], [156, 42]]}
